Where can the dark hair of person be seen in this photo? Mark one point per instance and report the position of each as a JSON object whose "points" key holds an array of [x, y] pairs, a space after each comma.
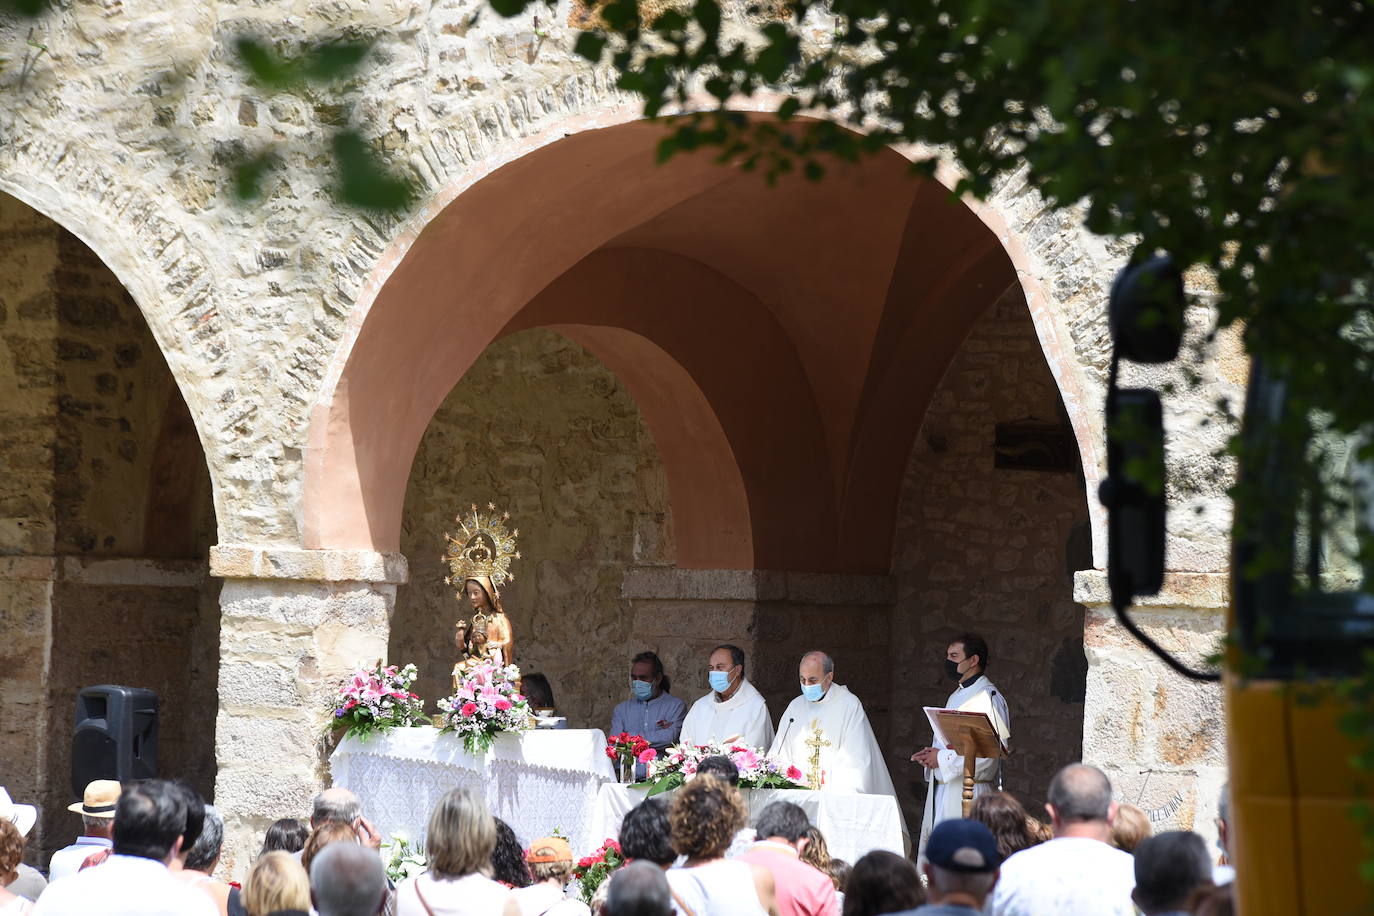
{"points": [[1168, 869], [205, 851], [323, 835], [645, 833], [149, 817], [285, 835], [653, 659], [840, 870], [974, 645], [1002, 814], [736, 654], [508, 858], [195, 814], [784, 819], [706, 815], [537, 690], [882, 882], [720, 766], [11, 849], [1213, 901], [1080, 793]]}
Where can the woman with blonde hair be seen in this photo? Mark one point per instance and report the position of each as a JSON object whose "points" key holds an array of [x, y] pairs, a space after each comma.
{"points": [[1129, 827], [706, 815], [458, 844], [277, 884], [322, 836]]}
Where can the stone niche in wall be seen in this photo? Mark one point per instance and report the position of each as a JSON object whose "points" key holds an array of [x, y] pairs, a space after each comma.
{"points": [[991, 550], [545, 431]]}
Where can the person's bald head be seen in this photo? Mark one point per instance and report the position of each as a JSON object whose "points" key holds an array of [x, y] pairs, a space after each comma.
{"points": [[346, 879], [1080, 794], [639, 889], [336, 805]]}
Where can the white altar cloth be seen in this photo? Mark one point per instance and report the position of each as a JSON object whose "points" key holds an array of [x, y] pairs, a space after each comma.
{"points": [[534, 781], [852, 823]]}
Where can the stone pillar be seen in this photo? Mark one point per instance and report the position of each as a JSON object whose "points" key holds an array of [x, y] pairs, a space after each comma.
{"points": [[294, 623], [25, 659], [1160, 737]]}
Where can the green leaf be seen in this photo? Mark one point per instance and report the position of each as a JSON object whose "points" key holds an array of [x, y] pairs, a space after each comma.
{"points": [[264, 65], [247, 174], [589, 45], [334, 61], [509, 8], [28, 8], [364, 179]]}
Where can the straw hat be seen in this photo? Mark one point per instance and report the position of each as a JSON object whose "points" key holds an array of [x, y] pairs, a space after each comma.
{"points": [[21, 816], [100, 799]]}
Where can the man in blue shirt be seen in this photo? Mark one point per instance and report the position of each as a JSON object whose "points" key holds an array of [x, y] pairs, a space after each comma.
{"points": [[652, 713]]}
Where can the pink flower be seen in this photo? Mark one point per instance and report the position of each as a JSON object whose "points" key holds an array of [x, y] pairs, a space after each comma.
{"points": [[468, 709], [794, 774], [502, 705], [648, 756]]}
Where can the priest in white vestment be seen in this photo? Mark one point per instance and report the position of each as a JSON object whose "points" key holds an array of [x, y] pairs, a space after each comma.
{"points": [[733, 711], [965, 661], [850, 759]]}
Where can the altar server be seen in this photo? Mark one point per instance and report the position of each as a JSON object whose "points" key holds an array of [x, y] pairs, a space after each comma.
{"points": [[966, 660], [825, 733], [734, 710]]}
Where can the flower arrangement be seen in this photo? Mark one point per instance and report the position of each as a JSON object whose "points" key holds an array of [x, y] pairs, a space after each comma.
{"points": [[485, 704], [592, 870], [403, 859], [624, 749], [377, 699], [756, 769]]}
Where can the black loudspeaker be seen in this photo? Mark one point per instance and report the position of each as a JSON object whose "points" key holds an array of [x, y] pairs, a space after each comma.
{"points": [[115, 735]]}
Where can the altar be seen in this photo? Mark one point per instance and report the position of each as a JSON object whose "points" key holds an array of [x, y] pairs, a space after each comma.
{"points": [[535, 781], [852, 823]]}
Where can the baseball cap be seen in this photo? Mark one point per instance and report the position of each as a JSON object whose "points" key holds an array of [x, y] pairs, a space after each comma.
{"points": [[962, 845], [549, 849]]}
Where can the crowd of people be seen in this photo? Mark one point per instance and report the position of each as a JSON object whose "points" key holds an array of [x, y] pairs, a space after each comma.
{"points": [[152, 848]]}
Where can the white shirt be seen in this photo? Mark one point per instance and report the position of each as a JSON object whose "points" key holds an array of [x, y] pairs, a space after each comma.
{"points": [[724, 888], [543, 898], [1068, 876], [124, 886], [470, 895], [743, 717], [67, 860]]}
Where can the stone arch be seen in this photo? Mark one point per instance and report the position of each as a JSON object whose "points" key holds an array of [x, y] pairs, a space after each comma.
{"points": [[157, 261], [579, 173]]}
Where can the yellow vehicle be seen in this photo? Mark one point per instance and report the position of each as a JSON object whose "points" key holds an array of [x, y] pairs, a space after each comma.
{"points": [[1302, 614]]}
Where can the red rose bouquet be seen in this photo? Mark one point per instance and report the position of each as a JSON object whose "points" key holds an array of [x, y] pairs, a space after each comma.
{"points": [[592, 870], [625, 749]]}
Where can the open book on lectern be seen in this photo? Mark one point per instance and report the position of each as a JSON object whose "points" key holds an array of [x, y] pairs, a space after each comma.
{"points": [[952, 727]]}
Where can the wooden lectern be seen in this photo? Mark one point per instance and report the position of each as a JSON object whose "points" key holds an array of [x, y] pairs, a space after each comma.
{"points": [[972, 735]]}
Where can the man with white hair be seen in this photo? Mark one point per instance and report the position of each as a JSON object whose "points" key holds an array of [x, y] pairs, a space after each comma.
{"points": [[825, 734], [346, 879]]}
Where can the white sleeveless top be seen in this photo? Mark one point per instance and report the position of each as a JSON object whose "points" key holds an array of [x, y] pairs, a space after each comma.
{"points": [[470, 895], [724, 888]]}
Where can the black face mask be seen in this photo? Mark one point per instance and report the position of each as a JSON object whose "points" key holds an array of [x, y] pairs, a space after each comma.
{"points": [[952, 670]]}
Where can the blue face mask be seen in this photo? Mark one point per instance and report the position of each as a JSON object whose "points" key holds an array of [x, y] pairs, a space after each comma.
{"points": [[719, 680], [813, 692], [642, 689]]}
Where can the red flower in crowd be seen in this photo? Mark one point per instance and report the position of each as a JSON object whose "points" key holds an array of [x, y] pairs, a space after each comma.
{"points": [[468, 709]]}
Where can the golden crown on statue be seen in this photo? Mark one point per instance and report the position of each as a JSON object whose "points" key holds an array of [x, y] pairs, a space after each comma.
{"points": [[484, 550]]}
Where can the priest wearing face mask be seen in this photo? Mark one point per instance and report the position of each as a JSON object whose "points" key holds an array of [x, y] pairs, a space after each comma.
{"points": [[652, 712], [734, 710], [829, 719], [966, 661]]}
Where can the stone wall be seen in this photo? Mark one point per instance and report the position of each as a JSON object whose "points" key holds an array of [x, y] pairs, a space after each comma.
{"points": [[992, 551], [100, 473], [542, 429]]}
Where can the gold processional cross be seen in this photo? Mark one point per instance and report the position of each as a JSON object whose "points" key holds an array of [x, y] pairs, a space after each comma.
{"points": [[815, 742]]}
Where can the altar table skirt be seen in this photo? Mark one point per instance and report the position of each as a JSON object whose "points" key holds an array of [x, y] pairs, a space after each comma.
{"points": [[535, 781], [852, 823]]}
